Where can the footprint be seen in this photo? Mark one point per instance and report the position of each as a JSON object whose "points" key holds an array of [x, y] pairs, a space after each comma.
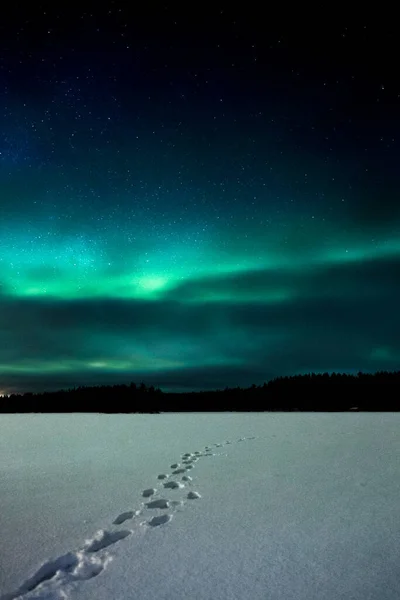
{"points": [[103, 539], [88, 562], [193, 495], [161, 503], [69, 567], [65, 563], [161, 520], [124, 517], [173, 485]]}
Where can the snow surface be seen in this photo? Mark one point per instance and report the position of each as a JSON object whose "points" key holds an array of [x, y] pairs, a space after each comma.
{"points": [[307, 509]]}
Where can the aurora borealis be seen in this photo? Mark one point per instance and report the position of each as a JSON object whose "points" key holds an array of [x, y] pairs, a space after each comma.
{"points": [[195, 203]]}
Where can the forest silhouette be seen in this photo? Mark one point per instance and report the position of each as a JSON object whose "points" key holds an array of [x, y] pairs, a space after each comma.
{"points": [[324, 392]]}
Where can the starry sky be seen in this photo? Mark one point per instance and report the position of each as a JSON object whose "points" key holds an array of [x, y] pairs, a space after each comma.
{"points": [[195, 199]]}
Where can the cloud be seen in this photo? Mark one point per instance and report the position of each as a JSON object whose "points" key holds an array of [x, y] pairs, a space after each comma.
{"points": [[370, 277], [333, 317]]}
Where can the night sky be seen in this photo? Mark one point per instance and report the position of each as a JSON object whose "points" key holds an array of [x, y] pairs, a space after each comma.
{"points": [[196, 199]]}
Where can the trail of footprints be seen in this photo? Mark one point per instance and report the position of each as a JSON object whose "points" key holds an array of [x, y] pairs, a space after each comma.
{"points": [[88, 562]]}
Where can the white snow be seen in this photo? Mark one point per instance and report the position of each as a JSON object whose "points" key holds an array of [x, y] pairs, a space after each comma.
{"points": [[305, 507]]}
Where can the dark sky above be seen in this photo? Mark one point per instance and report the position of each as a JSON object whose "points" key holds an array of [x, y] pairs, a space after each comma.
{"points": [[196, 197]]}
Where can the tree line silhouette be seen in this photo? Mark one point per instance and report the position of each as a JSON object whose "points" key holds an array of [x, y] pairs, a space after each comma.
{"points": [[379, 391]]}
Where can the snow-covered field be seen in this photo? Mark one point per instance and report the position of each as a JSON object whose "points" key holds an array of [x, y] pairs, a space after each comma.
{"points": [[305, 507]]}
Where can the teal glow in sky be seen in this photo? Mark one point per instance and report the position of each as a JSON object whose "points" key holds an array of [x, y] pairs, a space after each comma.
{"points": [[209, 208]]}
